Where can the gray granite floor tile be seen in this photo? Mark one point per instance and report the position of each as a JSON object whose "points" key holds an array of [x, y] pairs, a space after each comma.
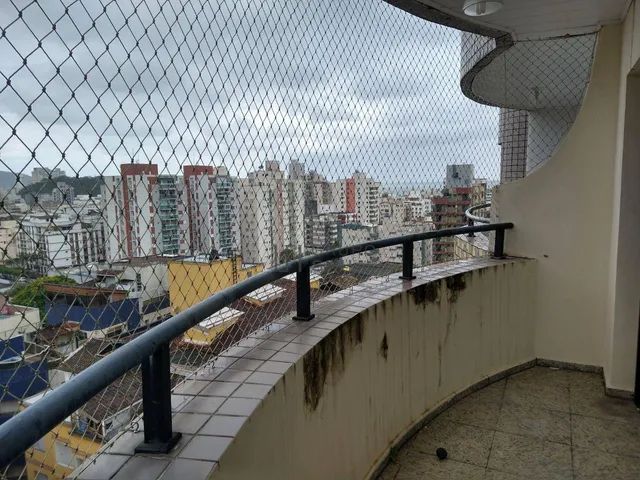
{"points": [[185, 469], [490, 474], [549, 425], [593, 402], [611, 436], [550, 397], [592, 464], [480, 409], [586, 381], [416, 465], [541, 376], [529, 456], [463, 443]]}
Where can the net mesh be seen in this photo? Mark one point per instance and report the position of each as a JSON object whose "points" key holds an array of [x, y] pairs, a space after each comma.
{"points": [[156, 152]]}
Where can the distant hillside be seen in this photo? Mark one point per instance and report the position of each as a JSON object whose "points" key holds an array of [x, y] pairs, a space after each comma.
{"points": [[8, 180], [81, 186]]}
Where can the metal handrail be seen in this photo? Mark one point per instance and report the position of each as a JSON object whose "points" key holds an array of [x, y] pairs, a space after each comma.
{"points": [[151, 349], [474, 218]]}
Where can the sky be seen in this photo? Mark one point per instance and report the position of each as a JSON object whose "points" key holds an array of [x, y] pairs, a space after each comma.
{"points": [[339, 85]]}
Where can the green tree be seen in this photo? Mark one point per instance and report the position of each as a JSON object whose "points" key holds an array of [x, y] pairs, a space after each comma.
{"points": [[33, 294]]}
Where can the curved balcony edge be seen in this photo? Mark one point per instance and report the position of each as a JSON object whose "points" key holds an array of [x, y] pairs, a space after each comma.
{"points": [[338, 393], [408, 350]]}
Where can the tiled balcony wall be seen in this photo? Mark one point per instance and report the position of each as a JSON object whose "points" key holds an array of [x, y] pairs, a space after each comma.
{"points": [[347, 385]]}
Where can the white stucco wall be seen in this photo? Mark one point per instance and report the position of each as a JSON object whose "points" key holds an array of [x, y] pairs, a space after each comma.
{"points": [[339, 409], [567, 216], [623, 300]]}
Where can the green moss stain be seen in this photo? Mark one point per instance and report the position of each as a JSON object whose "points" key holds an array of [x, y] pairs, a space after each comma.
{"points": [[456, 284], [384, 346], [329, 357], [426, 293]]}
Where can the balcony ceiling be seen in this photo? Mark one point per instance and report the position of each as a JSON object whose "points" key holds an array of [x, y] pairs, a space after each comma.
{"points": [[536, 19]]}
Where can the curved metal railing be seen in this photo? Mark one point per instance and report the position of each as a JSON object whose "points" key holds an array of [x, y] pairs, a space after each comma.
{"points": [[151, 350], [473, 219]]}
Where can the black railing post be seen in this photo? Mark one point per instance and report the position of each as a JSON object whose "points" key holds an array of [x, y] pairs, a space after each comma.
{"points": [[303, 294], [156, 403], [498, 246], [407, 261], [470, 224]]}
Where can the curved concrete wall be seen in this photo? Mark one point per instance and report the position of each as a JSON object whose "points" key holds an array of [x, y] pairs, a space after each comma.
{"points": [[337, 411], [562, 213]]}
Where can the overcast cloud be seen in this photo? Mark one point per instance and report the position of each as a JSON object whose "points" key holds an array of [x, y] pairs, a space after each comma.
{"points": [[339, 85]]}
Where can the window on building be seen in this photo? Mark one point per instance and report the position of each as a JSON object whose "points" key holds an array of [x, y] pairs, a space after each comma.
{"points": [[138, 282], [65, 455]]}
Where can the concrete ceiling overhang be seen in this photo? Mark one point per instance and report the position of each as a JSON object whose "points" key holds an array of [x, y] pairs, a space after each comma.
{"points": [[541, 52], [523, 19]]}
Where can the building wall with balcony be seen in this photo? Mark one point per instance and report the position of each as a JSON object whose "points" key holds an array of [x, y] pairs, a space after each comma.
{"points": [[59, 452], [577, 215], [193, 280]]}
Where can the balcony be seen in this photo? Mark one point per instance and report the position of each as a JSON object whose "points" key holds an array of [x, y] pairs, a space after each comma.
{"points": [[509, 354]]}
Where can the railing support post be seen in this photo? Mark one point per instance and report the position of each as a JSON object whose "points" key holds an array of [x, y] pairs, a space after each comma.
{"points": [[156, 403], [498, 246], [303, 295], [470, 223], [407, 261]]}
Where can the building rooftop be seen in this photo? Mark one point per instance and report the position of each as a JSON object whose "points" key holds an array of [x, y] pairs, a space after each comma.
{"points": [[224, 315], [265, 294]]}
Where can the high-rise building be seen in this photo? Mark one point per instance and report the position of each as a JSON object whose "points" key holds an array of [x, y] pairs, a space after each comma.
{"points": [[63, 193], [170, 210], [130, 211], [321, 232], [226, 213], [150, 214], [8, 238], [52, 242], [272, 222], [199, 181], [42, 173], [459, 175], [449, 207], [359, 195]]}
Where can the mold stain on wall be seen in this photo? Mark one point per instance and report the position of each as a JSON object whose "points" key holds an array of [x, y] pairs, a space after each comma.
{"points": [[329, 358]]}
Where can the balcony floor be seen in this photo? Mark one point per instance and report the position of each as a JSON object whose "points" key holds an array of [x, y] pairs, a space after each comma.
{"points": [[539, 424]]}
